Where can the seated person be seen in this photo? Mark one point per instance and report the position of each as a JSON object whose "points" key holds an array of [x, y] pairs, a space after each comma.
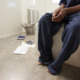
{"points": [[49, 24]]}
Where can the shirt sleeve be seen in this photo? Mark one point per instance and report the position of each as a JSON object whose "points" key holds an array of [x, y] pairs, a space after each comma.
{"points": [[62, 2]]}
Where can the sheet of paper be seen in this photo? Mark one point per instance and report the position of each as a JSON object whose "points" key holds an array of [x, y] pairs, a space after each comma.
{"points": [[21, 50], [32, 45]]}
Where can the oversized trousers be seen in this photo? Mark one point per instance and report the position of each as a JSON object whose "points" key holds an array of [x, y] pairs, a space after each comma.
{"points": [[70, 38]]}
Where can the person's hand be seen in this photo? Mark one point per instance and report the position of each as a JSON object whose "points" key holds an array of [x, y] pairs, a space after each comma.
{"points": [[56, 12], [60, 16]]}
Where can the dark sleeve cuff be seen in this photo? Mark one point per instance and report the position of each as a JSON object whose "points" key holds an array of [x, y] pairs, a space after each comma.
{"points": [[62, 2]]}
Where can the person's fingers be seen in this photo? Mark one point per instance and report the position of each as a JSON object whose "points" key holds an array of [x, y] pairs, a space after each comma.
{"points": [[54, 18], [54, 15], [58, 16], [57, 20]]}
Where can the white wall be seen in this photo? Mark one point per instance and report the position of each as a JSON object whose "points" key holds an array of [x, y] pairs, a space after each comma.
{"points": [[10, 17], [51, 6], [11, 12]]}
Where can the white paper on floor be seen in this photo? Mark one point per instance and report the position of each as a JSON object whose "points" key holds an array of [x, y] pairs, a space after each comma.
{"points": [[23, 48]]}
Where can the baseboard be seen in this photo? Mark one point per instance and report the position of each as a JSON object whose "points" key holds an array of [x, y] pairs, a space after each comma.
{"points": [[4, 36]]}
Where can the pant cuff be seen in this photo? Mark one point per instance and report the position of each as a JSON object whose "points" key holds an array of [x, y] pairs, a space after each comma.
{"points": [[45, 62], [52, 71]]}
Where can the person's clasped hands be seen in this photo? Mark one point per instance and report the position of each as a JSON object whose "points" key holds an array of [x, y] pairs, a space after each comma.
{"points": [[59, 14]]}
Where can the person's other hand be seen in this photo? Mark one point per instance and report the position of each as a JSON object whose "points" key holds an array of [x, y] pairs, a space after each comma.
{"points": [[60, 16], [56, 12]]}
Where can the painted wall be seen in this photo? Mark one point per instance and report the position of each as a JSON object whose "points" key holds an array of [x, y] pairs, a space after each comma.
{"points": [[10, 17], [51, 6], [14, 12]]}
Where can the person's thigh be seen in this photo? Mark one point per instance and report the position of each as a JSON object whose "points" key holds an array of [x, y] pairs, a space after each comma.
{"points": [[72, 26], [46, 21]]}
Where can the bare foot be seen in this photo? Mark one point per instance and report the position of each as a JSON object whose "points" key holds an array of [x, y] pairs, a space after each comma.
{"points": [[48, 71], [39, 63]]}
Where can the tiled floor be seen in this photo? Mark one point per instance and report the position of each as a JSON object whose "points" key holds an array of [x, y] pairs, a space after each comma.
{"points": [[25, 67]]}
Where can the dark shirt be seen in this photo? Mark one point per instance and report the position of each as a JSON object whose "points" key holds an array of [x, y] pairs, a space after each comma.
{"points": [[70, 3]]}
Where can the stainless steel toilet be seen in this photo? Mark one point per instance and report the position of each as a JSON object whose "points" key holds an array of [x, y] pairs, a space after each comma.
{"points": [[32, 19]]}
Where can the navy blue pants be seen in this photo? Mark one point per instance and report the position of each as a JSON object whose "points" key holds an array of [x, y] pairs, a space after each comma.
{"points": [[70, 39]]}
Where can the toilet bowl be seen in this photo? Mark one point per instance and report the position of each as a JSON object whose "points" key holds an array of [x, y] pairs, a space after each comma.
{"points": [[29, 28]]}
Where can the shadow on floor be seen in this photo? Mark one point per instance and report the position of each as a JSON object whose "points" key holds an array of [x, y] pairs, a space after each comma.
{"points": [[70, 72]]}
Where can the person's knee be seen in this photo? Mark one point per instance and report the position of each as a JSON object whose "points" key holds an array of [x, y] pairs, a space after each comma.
{"points": [[45, 17], [41, 19]]}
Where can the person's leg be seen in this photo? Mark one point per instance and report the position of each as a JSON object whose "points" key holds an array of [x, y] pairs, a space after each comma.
{"points": [[46, 29], [71, 40]]}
